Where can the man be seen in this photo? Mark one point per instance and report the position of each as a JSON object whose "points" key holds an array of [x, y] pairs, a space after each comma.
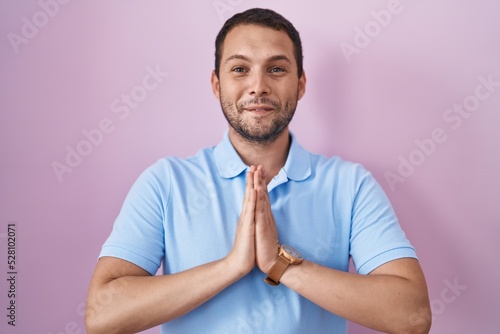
{"points": [[218, 221]]}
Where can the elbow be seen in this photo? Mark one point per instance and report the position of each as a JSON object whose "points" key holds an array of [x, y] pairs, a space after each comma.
{"points": [[98, 320], [91, 322], [419, 322], [95, 324]]}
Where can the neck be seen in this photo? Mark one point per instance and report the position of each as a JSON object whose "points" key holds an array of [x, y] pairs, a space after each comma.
{"points": [[272, 155]]}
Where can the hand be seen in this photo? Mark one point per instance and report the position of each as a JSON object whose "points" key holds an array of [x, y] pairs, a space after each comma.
{"points": [[266, 234], [242, 254]]}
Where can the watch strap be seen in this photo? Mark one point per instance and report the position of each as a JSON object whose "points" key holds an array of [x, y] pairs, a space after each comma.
{"points": [[277, 271]]}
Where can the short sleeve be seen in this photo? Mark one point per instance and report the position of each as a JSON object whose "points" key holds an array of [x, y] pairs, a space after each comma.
{"points": [[138, 232], [376, 236]]}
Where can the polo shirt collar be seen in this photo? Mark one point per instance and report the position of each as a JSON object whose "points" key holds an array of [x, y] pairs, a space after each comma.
{"points": [[229, 163], [298, 163]]}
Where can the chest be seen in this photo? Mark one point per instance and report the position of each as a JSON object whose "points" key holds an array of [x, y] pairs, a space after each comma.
{"points": [[201, 219]]}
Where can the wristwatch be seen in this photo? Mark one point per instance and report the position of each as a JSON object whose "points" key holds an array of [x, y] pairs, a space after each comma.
{"points": [[287, 255]]}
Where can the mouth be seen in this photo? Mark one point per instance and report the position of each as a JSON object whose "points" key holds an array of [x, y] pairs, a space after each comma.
{"points": [[259, 109]]}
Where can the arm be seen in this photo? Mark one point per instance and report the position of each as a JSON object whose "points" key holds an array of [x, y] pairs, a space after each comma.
{"points": [[393, 298], [124, 298]]}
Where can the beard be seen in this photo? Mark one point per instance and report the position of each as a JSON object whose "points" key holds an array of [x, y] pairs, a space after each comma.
{"points": [[261, 130]]}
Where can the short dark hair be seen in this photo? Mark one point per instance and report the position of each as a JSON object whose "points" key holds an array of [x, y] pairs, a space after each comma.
{"points": [[265, 18]]}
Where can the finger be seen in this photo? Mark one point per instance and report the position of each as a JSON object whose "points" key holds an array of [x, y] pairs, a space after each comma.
{"points": [[250, 181], [250, 195], [260, 185], [262, 206], [263, 177], [260, 178]]}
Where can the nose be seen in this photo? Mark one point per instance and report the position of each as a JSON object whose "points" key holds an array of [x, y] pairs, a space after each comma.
{"points": [[259, 84]]}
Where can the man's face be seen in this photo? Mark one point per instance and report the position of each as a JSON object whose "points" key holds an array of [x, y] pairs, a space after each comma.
{"points": [[258, 85]]}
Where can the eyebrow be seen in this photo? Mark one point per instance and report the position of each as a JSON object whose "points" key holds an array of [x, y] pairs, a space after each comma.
{"points": [[272, 58]]}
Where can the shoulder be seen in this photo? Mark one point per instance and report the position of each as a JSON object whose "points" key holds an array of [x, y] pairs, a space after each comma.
{"points": [[338, 169], [168, 164], [342, 177], [172, 168]]}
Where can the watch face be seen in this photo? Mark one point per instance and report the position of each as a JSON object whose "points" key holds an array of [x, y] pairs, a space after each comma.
{"points": [[292, 251]]}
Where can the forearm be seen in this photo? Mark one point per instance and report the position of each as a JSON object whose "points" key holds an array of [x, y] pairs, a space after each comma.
{"points": [[131, 304], [386, 303]]}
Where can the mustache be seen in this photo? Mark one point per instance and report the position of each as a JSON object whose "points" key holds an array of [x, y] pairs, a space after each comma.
{"points": [[259, 101]]}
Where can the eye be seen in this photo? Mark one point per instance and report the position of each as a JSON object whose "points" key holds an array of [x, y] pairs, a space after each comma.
{"points": [[238, 69], [277, 70]]}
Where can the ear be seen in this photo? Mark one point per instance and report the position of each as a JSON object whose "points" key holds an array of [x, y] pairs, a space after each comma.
{"points": [[215, 85], [302, 85]]}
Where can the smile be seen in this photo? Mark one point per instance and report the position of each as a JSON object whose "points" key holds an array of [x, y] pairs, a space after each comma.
{"points": [[259, 109]]}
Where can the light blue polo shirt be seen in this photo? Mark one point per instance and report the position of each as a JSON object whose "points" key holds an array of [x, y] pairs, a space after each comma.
{"points": [[183, 213]]}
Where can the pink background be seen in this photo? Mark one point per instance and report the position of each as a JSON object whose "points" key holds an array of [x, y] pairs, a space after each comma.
{"points": [[371, 108]]}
